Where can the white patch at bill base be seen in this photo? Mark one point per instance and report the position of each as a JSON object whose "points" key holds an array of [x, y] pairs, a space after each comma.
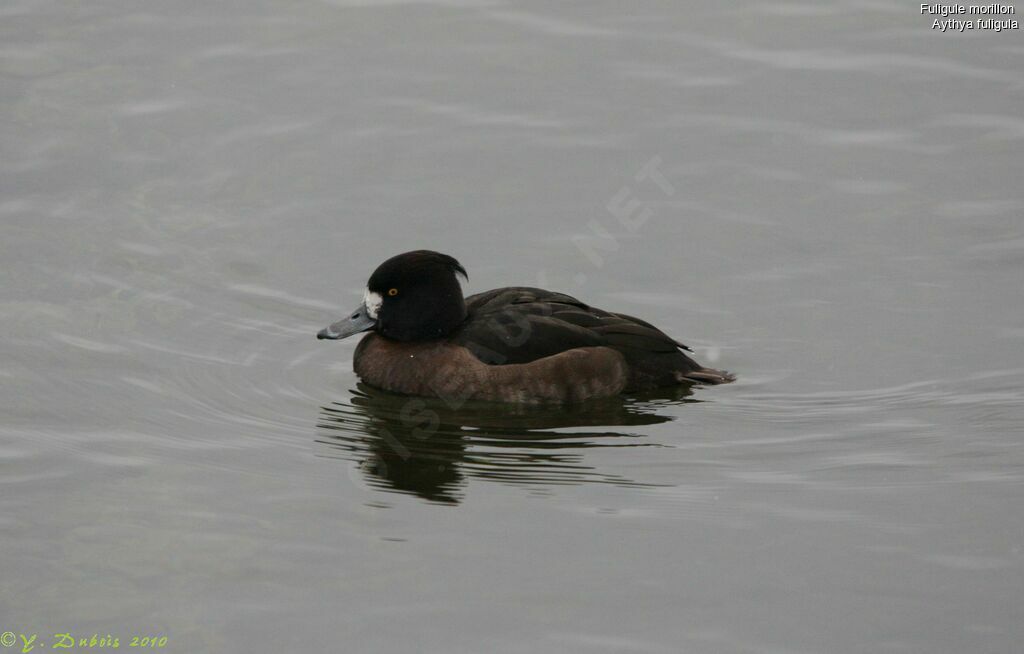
{"points": [[372, 302]]}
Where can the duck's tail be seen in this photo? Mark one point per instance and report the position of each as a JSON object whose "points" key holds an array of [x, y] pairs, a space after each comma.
{"points": [[708, 376]]}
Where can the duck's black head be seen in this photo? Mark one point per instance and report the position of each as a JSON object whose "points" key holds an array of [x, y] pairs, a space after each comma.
{"points": [[410, 297]]}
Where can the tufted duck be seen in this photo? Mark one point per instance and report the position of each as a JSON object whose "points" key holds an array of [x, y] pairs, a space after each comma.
{"points": [[515, 344]]}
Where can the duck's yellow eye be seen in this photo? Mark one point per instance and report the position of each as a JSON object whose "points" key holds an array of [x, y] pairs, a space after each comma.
{"points": [[392, 292]]}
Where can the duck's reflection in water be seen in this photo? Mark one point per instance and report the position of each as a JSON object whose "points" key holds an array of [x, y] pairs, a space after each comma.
{"points": [[429, 448]]}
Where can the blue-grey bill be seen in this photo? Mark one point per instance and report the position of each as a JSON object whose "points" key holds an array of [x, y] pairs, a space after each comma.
{"points": [[359, 321]]}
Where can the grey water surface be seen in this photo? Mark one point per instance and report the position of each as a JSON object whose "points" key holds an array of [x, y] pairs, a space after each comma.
{"points": [[822, 197]]}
